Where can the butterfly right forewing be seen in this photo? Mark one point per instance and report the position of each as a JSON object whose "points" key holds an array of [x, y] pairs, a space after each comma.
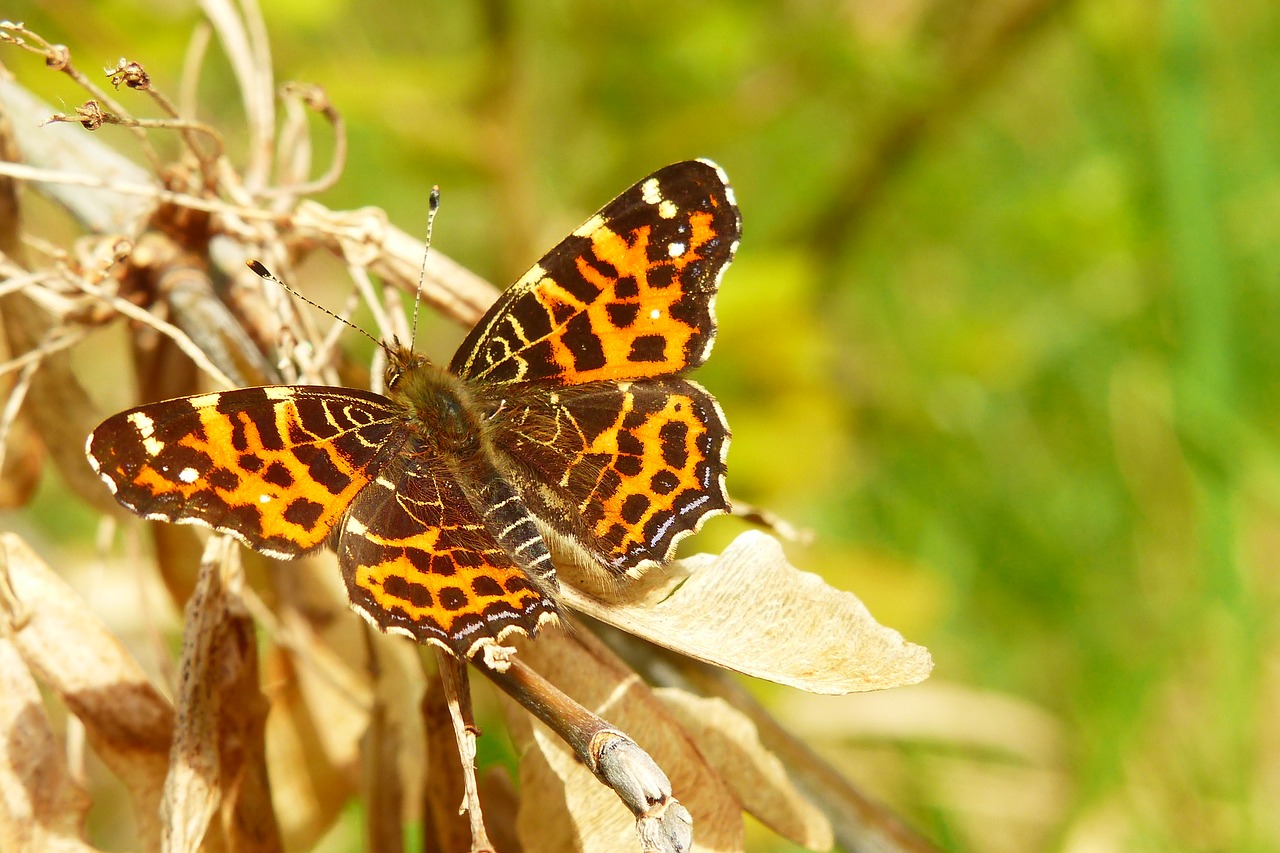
{"points": [[276, 466]]}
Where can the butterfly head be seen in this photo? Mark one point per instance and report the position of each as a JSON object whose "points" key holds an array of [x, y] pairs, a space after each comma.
{"points": [[401, 363]]}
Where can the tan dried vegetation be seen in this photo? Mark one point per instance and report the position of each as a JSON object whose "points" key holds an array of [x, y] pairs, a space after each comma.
{"points": [[281, 707]]}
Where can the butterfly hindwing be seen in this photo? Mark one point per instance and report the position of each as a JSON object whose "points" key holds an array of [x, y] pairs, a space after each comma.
{"points": [[275, 467], [418, 560], [624, 469], [628, 295]]}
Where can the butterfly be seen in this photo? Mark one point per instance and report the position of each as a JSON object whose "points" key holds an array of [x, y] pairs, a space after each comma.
{"points": [[562, 426]]}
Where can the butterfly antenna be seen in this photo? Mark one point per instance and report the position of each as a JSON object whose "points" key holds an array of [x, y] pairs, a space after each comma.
{"points": [[433, 205], [265, 273]]}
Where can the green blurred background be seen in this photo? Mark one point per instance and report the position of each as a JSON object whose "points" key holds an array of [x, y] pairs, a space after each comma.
{"points": [[1001, 332]]}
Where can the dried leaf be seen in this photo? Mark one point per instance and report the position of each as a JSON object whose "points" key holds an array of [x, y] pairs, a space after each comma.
{"points": [[23, 464], [759, 780], [749, 610], [41, 806], [857, 821], [127, 721], [191, 789], [217, 757], [383, 793], [448, 830], [563, 806], [321, 708], [249, 819], [308, 787]]}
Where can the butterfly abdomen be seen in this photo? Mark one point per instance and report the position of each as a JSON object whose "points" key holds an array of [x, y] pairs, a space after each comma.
{"points": [[513, 526], [449, 428]]}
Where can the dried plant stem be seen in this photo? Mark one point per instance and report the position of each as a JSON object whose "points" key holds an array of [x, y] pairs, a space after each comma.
{"points": [[170, 331], [29, 363], [59, 58], [78, 179], [323, 353], [457, 691], [381, 317], [242, 32], [315, 98], [61, 339], [615, 759], [209, 322], [15, 282], [201, 35], [187, 127]]}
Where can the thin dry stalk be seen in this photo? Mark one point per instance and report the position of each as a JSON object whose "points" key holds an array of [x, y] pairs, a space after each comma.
{"points": [[203, 223], [457, 693]]}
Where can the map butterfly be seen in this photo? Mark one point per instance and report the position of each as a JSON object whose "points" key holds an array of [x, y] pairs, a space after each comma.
{"points": [[563, 425]]}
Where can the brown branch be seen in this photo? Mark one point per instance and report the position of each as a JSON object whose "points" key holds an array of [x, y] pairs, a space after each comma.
{"points": [[616, 760]]}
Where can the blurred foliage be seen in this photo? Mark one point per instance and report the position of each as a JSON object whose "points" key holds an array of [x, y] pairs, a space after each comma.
{"points": [[1001, 330]]}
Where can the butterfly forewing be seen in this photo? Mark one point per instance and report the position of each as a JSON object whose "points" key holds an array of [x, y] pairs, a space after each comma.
{"points": [[276, 466], [628, 295]]}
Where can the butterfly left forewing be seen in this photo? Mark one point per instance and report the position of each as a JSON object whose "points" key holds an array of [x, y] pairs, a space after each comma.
{"points": [[275, 467]]}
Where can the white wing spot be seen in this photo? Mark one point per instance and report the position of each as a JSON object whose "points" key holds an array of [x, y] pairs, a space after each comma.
{"points": [[264, 499], [588, 228], [143, 424], [188, 475], [675, 250], [147, 432], [354, 525], [667, 209], [278, 392], [204, 401], [655, 314], [651, 192]]}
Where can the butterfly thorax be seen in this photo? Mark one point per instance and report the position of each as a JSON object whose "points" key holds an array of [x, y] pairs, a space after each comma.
{"points": [[441, 415], [447, 428]]}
